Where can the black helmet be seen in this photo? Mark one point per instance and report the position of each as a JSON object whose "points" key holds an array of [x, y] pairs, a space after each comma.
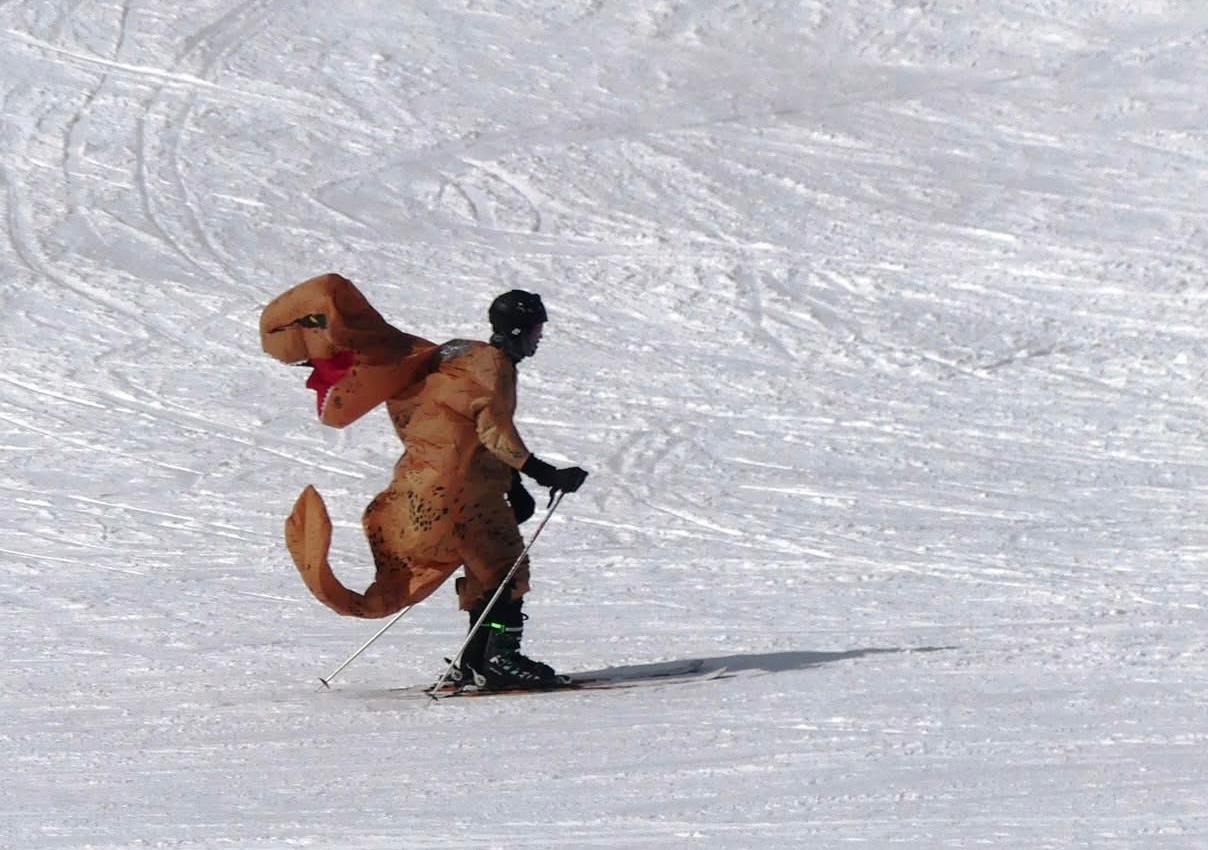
{"points": [[515, 312], [513, 315]]}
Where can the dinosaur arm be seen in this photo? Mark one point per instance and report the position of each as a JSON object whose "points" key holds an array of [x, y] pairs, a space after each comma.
{"points": [[493, 406]]}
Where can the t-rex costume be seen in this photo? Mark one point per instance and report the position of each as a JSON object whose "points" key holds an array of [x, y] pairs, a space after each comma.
{"points": [[451, 405]]}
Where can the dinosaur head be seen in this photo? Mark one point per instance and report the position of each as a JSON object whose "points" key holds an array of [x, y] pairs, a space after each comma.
{"points": [[358, 359]]}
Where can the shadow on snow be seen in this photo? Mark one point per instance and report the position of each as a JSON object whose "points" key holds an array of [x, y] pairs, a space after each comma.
{"points": [[774, 662]]}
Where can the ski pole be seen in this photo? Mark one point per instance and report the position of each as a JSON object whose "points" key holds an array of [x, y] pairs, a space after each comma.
{"points": [[327, 680], [434, 692]]}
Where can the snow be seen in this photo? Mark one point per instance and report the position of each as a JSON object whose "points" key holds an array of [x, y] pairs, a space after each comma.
{"points": [[880, 325]]}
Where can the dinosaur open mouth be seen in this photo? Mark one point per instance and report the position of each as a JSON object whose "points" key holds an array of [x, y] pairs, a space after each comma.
{"points": [[328, 371]]}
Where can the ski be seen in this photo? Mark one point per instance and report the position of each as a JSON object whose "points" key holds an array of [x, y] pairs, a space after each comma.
{"points": [[587, 685], [667, 674]]}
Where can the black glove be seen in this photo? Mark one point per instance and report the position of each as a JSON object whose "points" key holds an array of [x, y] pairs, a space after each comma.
{"points": [[566, 480], [522, 503]]}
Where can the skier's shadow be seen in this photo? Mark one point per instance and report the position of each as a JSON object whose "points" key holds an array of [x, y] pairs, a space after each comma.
{"points": [[774, 662]]}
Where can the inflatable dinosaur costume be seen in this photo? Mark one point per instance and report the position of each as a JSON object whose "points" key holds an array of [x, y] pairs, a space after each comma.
{"points": [[451, 405]]}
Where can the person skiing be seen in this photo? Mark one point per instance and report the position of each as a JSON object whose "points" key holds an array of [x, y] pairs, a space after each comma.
{"points": [[456, 499], [453, 414]]}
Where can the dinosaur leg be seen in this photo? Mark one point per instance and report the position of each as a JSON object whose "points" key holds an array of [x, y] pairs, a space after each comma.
{"points": [[489, 548], [308, 538], [412, 558]]}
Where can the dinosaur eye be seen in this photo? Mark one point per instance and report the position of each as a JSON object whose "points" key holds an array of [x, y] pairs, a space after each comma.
{"points": [[314, 320]]}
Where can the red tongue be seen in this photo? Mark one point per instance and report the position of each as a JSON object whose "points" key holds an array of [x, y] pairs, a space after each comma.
{"points": [[327, 373]]}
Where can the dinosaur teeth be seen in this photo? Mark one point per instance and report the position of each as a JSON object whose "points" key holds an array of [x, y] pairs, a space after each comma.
{"points": [[328, 372]]}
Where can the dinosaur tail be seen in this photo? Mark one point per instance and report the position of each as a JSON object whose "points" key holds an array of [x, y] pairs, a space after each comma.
{"points": [[308, 538]]}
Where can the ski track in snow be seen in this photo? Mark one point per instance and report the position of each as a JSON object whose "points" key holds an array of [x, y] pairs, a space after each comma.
{"points": [[881, 327]]}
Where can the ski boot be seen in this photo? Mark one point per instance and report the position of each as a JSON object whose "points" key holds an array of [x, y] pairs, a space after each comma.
{"points": [[500, 664], [463, 672]]}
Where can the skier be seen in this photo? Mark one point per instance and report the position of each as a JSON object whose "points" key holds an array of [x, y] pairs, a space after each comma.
{"points": [[476, 431], [456, 498]]}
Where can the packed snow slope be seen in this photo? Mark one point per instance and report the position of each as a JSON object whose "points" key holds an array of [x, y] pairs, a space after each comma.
{"points": [[880, 325]]}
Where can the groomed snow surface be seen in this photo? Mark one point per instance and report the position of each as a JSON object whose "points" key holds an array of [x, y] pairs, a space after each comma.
{"points": [[880, 324]]}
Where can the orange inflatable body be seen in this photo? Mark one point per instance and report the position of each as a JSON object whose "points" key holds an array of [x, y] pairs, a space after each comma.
{"points": [[451, 405]]}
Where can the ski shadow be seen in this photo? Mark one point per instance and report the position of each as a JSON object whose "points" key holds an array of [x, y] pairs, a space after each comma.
{"points": [[772, 662]]}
